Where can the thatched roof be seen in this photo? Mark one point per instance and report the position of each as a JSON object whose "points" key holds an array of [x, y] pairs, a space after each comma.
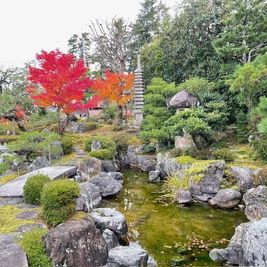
{"points": [[183, 99]]}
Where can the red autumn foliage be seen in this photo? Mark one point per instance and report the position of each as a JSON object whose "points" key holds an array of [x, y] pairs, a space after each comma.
{"points": [[115, 87], [60, 81]]}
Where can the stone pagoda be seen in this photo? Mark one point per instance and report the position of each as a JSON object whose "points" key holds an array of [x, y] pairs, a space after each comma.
{"points": [[138, 95]]}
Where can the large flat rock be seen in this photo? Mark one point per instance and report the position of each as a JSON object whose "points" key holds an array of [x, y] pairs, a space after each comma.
{"points": [[14, 188]]}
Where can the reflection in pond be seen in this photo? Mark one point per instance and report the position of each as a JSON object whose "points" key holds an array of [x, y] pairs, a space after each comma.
{"points": [[171, 233]]}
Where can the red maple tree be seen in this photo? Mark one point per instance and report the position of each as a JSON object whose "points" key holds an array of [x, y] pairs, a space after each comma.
{"points": [[60, 82], [115, 88]]}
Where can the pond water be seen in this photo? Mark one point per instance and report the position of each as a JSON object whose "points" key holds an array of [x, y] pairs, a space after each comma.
{"points": [[171, 232]]}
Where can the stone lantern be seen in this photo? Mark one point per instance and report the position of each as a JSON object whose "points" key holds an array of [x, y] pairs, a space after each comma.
{"points": [[181, 101]]}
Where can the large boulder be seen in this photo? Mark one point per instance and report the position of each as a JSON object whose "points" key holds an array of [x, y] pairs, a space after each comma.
{"points": [[11, 253], [211, 181], [154, 176], [247, 247], [89, 167], [244, 177], [38, 163], [255, 200], [107, 218], [226, 199], [109, 166], [90, 197], [183, 197], [132, 154], [108, 183], [128, 256], [95, 145], [77, 127], [110, 239], [76, 243], [146, 163]]}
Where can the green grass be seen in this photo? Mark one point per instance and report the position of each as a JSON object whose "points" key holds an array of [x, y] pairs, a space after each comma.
{"points": [[34, 247]]}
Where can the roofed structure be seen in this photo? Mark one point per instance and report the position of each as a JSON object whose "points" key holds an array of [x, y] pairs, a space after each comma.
{"points": [[183, 99]]}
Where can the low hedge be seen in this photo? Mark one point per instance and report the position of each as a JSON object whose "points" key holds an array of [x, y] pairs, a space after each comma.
{"points": [[58, 200], [106, 144], [102, 154], [89, 126], [33, 188]]}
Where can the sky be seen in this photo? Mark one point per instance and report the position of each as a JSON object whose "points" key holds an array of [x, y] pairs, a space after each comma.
{"points": [[28, 26]]}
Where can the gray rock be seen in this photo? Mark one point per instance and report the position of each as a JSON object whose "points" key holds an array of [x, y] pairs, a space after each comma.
{"points": [[90, 197], [167, 165], [154, 176], [107, 184], [146, 162], [107, 218], [211, 181], [131, 157], [116, 175], [89, 168], [244, 177], [183, 196], [247, 247], [27, 215], [151, 262], [109, 166], [226, 199], [255, 200], [10, 252], [110, 239], [29, 227], [76, 243], [77, 127], [203, 198], [95, 145], [128, 256], [38, 163]]}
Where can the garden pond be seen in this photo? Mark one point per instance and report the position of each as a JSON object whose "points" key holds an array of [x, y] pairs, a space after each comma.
{"points": [[174, 235]]}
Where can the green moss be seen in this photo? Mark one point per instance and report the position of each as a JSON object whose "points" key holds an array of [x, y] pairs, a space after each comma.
{"points": [[185, 160], [8, 221], [7, 178], [34, 247]]}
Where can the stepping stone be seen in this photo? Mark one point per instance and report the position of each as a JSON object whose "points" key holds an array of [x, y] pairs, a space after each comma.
{"points": [[14, 188]]}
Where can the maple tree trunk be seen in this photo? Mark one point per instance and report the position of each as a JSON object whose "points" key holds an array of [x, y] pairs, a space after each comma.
{"points": [[119, 114]]}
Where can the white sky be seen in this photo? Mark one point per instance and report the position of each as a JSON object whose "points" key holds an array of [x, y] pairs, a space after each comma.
{"points": [[28, 26]]}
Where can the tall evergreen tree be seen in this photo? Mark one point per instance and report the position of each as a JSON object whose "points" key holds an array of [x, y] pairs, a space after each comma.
{"points": [[244, 34]]}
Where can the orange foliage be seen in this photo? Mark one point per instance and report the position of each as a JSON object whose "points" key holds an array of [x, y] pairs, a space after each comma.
{"points": [[115, 87]]}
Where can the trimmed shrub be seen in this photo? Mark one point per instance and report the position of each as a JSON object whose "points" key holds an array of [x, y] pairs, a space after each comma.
{"points": [[149, 149], [224, 154], [123, 140], [89, 126], [33, 188], [67, 144], [102, 154], [58, 200], [109, 112], [106, 143], [34, 247]]}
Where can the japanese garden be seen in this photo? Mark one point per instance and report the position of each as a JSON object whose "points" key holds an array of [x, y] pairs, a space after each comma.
{"points": [[144, 143]]}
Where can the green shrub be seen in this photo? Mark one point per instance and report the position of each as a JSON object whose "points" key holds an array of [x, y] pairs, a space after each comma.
{"points": [[261, 177], [4, 167], [123, 140], [102, 154], [58, 200], [67, 144], [224, 154], [259, 145], [89, 126], [106, 143], [33, 188], [34, 247], [149, 149], [109, 112]]}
